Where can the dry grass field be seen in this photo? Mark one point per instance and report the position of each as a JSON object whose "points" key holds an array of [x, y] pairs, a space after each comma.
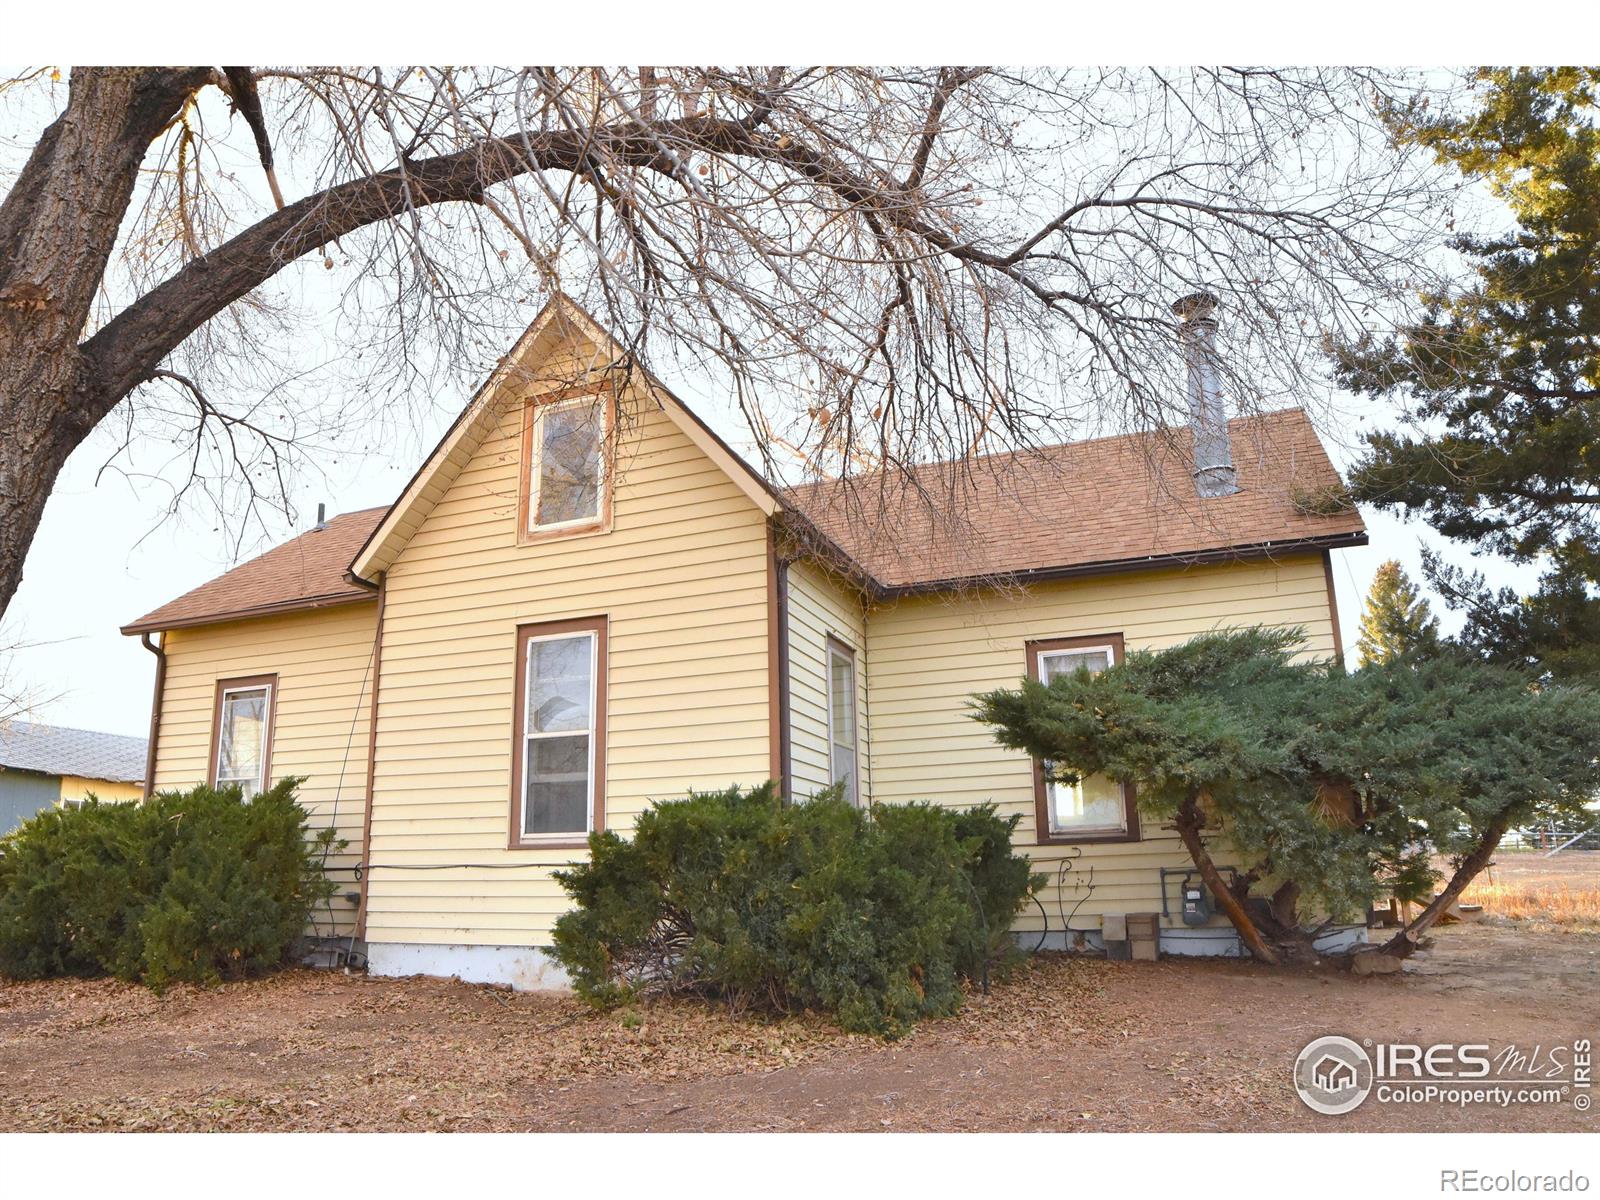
{"points": [[1560, 894]]}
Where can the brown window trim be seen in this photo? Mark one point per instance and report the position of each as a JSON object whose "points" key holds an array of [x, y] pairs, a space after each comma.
{"points": [[1041, 799], [237, 683], [602, 523], [599, 626], [832, 642]]}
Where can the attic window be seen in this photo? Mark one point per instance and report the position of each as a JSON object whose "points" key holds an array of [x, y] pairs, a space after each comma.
{"points": [[564, 466]]}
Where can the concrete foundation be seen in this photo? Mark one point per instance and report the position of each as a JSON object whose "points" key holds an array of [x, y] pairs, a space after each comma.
{"points": [[521, 968], [532, 969], [1216, 941]]}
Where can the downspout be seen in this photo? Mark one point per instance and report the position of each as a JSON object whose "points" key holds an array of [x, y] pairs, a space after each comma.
{"points": [[785, 749], [865, 667], [159, 650], [372, 760]]}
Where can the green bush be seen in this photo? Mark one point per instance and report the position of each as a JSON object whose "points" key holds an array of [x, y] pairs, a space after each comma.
{"points": [[872, 916], [197, 886]]}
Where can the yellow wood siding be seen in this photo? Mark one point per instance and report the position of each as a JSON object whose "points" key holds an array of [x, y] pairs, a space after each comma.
{"points": [[74, 787], [682, 577], [819, 607], [929, 655], [322, 658]]}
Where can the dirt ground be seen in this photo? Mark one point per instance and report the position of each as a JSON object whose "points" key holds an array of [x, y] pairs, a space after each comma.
{"points": [[1066, 1044]]}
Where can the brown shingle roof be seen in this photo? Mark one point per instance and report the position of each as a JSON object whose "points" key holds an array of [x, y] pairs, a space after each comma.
{"points": [[308, 572], [1083, 507], [1106, 504]]}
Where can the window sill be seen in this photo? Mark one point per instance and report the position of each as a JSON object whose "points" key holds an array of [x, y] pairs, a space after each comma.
{"points": [[564, 843], [531, 537], [1085, 838]]}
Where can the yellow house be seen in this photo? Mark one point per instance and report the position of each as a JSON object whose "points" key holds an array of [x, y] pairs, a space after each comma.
{"points": [[584, 601]]}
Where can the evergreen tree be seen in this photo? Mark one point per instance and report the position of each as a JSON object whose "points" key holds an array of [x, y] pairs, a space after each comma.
{"points": [[1507, 371], [1396, 622], [1325, 786]]}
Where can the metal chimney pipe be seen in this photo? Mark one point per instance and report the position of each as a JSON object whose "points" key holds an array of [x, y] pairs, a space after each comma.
{"points": [[1208, 415], [322, 518]]}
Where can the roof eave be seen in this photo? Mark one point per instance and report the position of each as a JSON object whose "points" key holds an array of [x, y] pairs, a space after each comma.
{"points": [[299, 604], [1239, 553]]}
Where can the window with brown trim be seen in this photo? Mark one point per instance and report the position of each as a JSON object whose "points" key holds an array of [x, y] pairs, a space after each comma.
{"points": [[559, 733], [241, 733], [843, 758], [1096, 808], [565, 487]]}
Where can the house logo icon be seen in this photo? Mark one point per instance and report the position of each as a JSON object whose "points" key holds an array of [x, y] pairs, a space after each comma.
{"points": [[1333, 1075]]}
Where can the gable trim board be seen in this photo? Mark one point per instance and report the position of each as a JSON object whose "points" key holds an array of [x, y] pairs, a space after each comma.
{"points": [[719, 598]]}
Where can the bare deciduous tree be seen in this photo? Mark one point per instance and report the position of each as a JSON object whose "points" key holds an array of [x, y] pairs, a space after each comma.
{"points": [[18, 698], [878, 266]]}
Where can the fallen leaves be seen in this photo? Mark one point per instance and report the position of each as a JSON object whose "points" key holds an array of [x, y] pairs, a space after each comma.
{"points": [[1060, 1043], [320, 1050]]}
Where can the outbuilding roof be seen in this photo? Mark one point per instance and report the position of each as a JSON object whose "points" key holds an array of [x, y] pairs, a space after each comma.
{"points": [[58, 750]]}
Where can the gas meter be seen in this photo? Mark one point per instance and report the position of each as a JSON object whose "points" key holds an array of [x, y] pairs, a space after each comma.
{"points": [[1196, 902]]}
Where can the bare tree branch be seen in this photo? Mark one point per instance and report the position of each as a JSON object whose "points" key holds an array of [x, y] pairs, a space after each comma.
{"points": [[871, 268]]}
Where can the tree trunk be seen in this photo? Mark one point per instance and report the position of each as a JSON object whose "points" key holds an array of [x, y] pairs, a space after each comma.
{"points": [[1404, 943], [59, 223], [1189, 823], [58, 226], [1285, 904]]}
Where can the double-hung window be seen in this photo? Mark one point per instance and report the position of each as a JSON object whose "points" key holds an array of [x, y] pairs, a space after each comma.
{"points": [[842, 725], [1096, 808], [565, 466], [242, 733], [558, 765]]}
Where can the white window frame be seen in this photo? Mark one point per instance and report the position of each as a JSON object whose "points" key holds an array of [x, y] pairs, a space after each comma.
{"points": [[600, 401], [266, 735], [1056, 828], [836, 648], [528, 734]]}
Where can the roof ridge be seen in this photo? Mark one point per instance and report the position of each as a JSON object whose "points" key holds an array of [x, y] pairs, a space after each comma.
{"points": [[1035, 450]]}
